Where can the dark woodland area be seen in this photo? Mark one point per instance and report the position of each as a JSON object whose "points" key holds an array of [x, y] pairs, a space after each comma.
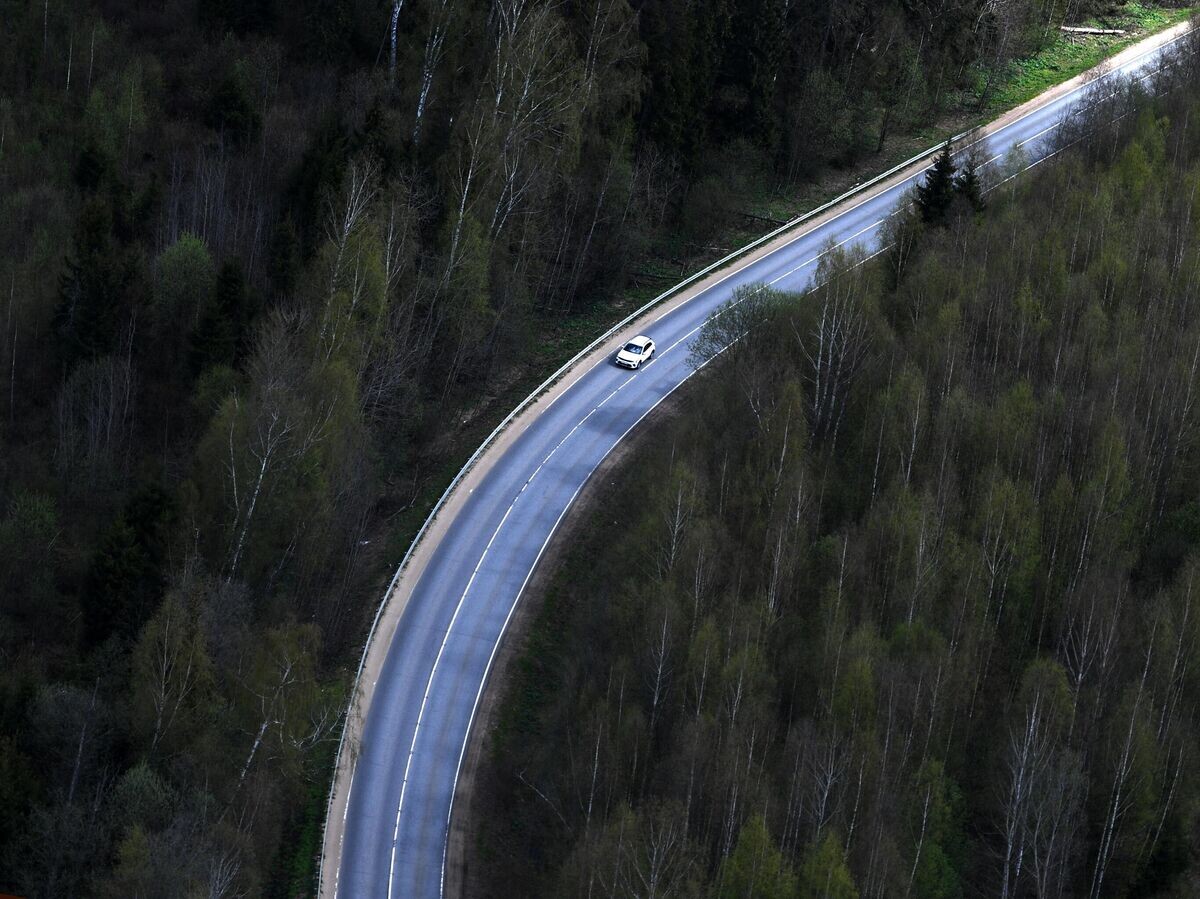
{"points": [[905, 600], [263, 267]]}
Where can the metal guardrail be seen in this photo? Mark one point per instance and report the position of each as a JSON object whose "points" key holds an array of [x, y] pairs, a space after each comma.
{"points": [[554, 378]]}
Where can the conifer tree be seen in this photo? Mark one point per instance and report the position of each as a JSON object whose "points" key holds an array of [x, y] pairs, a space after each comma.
{"points": [[90, 287], [218, 337], [936, 193], [125, 579], [968, 186]]}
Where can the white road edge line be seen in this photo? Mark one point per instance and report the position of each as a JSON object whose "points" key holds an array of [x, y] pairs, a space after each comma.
{"points": [[698, 276], [617, 442], [529, 575], [458, 608]]}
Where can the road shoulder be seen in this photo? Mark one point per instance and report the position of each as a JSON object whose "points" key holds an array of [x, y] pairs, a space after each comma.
{"points": [[396, 600]]}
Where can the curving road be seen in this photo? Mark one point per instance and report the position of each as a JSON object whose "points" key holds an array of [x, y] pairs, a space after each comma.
{"points": [[396, 821]]}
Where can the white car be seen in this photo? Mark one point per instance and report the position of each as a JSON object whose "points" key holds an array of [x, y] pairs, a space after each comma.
{"points": [[633, 354]]}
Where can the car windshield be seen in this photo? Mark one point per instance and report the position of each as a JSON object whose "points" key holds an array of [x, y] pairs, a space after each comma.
{"points": [[633, 348]]}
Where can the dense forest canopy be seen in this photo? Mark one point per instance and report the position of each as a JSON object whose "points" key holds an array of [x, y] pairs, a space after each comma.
{"points": [[258, 263], [908, 601]]}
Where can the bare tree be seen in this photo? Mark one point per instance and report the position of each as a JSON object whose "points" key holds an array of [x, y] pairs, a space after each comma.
{"points": [[1121, 777], [534, 87], [223, 870], [1028, 746], [1053, 820], [172, 663], [285, 708], [660, 665], [826, 765], [469, 170], [270, 429], [677, 515], [655, 863], [96, 416], [345, 279], [835, 349], [440, 15], [397, 7]]}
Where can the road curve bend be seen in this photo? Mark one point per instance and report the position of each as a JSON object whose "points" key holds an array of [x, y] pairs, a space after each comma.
{"points": [[429, 656]]}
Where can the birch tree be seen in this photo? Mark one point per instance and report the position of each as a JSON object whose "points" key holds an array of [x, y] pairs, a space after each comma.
{"points": [[256, 443], [173, 675], [441, 13], [357, 276], [281, 707], [535, 87], [1034, 738], [835, 349], [393, 22]]}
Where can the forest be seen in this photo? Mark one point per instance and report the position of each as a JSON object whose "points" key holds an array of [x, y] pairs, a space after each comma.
{"points": [[267, 273], [908, 603]]}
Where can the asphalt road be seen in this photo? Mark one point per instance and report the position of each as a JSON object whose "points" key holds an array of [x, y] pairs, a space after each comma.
{"points": [[397, 820]]}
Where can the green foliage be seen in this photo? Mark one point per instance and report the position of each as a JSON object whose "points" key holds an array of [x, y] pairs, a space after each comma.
{"points": [[125, 577], [18, 782], [239, 16], [1177, 536], [935, 877], [318, 176], [220, 338], [938, 802], [679, 69], [284, 261], [29, 533], [936, 192], [133, 874], [854, 699], [749, 75], [824, 873], [946, 185], [231, 110], [470, 315], [93, 169], [173, 686], [968, 186], [184, 282], [238, 268], [142, 799], [1169, 863], [99, 282], [756, 867], [120, 107], [941, 651]]}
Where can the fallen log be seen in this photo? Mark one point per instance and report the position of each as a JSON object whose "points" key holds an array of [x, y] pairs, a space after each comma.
{"points": [[1073, 30], [651, 276], [761, 218]]}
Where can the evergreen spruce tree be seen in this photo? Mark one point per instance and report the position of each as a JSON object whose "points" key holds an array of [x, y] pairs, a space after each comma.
{"points": [[936, 192], [968, 186], [90, 287], [218, 337], [92, 169], [283, 263], [125, 579]]}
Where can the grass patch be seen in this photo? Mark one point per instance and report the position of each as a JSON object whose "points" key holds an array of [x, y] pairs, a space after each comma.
{"points": [[295, 870], [1071, 55], [1021, 81], [559, 337]]}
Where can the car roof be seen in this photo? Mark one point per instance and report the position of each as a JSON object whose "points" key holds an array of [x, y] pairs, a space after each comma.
{"points": [[641, 339]]}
